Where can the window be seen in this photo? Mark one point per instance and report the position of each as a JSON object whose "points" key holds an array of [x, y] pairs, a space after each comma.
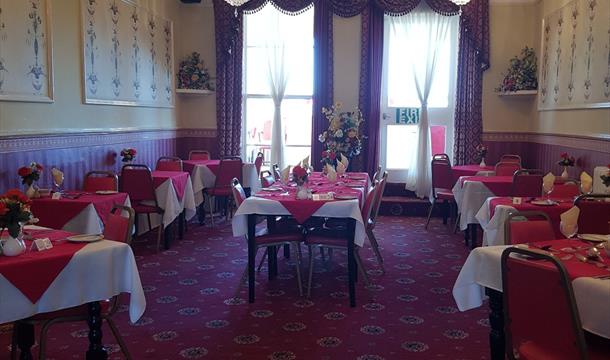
{"points": [[297, 102]]}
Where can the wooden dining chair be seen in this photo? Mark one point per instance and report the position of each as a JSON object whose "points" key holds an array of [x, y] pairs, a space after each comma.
{"points": [[527, 226], [442, 183], [118, 227], [507, 168], [594, 215], [541, 317], [511, 158], [98, 180], [229, 169], [258, 162], [137, 182], [568, 189], [371, 221], [169, 163], [527, 183], [199, 155]]}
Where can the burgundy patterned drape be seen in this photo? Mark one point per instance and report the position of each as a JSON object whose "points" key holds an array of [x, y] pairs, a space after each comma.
{"points": [[473, 60]]}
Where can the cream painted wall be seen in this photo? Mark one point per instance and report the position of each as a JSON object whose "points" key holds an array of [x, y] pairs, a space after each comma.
{"points": [[68, 112], [346, 45]]}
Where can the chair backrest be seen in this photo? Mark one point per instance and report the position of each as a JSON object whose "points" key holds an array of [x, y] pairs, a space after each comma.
{"points": [[539, 307], [369, 202], [442, 175], [379, 189], [568, 189], [527, 183], [199, 155], [119, 224], [441, 157], [377, 174], [511, 158], [507, 168], [258, 162], [267, 179], [594, 215], [229, 169], [239, 195], [169, 163], [527, 226], [100, 181], [276, 172], [136, 180]]}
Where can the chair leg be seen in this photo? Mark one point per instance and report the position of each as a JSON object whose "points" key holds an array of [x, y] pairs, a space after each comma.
{"points": [[310, 272], [161, 230], [367, 282], [430, 213], [375, 247], [211, 211], [149, 225], [260, 264], [457, 223], [119, 339], [298, 265]]}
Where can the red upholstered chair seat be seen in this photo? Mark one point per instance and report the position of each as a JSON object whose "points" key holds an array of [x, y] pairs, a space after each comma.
{"points": [[146, 209], [76, 311], [444, 194]]}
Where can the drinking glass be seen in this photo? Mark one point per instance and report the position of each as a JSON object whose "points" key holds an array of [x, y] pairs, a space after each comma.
{"points": [[568, 230]]}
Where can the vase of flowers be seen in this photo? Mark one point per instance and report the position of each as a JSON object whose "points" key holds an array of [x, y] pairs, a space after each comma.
{"points": [[14, 211], [128, 154], [481, 152], [300, 175], [522, 73], [342, 136], [565, 161], [29, 175], [192, 74], [606, 179]]}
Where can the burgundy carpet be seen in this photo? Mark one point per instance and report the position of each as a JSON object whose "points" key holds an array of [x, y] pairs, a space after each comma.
{"points": [[198, 309]]}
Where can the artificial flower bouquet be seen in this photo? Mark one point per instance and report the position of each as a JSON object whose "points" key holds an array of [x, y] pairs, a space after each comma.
{"points": [[30, 173], [128, 154], [606, 177], [343, 134], [192, 74], [566, 160], [299, 175], [14, 210], [481, 152]]}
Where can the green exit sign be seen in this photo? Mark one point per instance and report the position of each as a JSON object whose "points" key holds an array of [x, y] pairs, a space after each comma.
{"points": [[407, 116]]}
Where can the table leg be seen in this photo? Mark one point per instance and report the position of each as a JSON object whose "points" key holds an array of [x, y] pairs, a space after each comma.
{"points": [[167, 235], [25, 339], [472, 229], [96, 349], [181, 218], [496, 323], [201, 213], [251, 255], [351, 262]]}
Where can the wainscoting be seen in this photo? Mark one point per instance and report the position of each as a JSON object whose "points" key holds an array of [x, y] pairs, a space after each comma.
{"points": [[542, 151], [77, 153]]}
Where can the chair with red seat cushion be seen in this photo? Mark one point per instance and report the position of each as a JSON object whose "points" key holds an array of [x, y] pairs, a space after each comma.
{"points": [[507, 168], [169, 163], [258, 162], [369, 224], [594, 217], [137, 181], [270, 239], [118, 227], [528, 226], [199, 155], [100, 181], [540, 314], [229, 168], [527, 183], [568, 189], [510, 158], [442, 183], [441, 157]]}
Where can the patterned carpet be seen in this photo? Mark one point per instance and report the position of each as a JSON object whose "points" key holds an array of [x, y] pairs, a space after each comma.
{"points": [[198, 309]]}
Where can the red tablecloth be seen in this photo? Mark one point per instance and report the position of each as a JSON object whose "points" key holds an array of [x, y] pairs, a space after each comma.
{"points": [[575, 268], [553, 211], [302, 210], [33, 272], [179, 179], [499, 185], [213, 165], [468, 170], [56, 213]]}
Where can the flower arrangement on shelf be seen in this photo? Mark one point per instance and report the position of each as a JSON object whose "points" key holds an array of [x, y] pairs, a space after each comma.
{"points": [[299, 175], [606, 177], [521, 73], [343, 134], [192, 74], [30, 173], [14, 210], [480, 152], [128, 154], [566, 160]]}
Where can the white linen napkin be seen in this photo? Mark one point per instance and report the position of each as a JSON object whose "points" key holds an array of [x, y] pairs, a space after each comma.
{"points": [[331, 174], [286, 174], [569, 221], [344, 161], [58, 176], [586, 182], [548, 181], [341, 168]]}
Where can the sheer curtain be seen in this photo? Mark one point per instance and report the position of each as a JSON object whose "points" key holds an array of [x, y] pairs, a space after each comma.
{"points": [[427, 32]]}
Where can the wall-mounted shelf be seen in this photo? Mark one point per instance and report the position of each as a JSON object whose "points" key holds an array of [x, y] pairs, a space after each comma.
{"points": [[519, 93], [194, 92]]}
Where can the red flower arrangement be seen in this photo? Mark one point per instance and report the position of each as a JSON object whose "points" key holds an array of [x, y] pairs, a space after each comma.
{"points": [[299, 175], [30, 173], [566, 160], [606, 177], [14, 210], [128, 154], [481, 152]]}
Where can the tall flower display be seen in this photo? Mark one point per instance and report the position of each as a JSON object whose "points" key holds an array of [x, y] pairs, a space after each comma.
{"points": [[192, 74], [343, 134]]}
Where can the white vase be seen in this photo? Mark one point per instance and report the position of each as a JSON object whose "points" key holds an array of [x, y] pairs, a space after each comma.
{"points": [[13, 246], [482, 164], [302, 193], [30, 191], [564, 174]]}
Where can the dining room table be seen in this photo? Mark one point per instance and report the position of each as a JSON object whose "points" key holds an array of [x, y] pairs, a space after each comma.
{"points": [[471, 170], [495, 211], [77, 211], [480, 279], [341, 199], [67, 275]]}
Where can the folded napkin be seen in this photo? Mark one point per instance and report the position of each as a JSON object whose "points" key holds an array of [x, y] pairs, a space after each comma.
{"points": [[286, 174], [305, 163], [569, 221], [586, 182], [548, 181], [331, 174], [344, 161], [58, 176], [341, 168]]}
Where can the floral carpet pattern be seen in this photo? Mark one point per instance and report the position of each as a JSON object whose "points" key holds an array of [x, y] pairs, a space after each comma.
{"points": [[197, 307]]}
